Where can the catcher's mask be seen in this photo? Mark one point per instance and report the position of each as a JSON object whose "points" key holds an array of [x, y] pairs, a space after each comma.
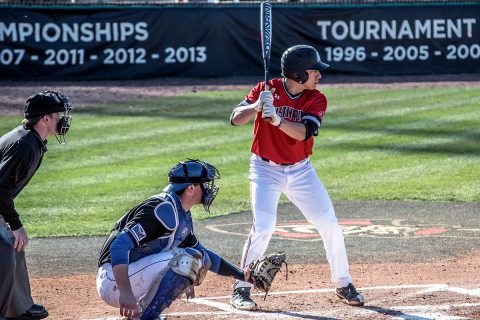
{"points": [[190, 172], [47, 102], [297, 59]]}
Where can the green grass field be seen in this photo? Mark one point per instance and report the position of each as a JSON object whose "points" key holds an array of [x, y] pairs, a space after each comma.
{"points": [[375, 144]]}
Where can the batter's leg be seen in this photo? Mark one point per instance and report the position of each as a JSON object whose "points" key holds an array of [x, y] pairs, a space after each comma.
{"points": [[265, 185], [308, 193]]}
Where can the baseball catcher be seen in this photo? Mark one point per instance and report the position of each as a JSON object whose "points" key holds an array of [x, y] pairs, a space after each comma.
{"points": [[152, 255]]}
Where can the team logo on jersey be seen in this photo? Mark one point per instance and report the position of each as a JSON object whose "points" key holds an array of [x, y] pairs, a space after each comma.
{"points": [[138, 232], [184, 232], [290, 113]]}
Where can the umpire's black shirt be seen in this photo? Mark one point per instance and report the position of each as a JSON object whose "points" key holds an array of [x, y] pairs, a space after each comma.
{"points": [[21, 152]]}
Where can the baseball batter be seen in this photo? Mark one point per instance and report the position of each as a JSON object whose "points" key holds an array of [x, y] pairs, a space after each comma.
{"points": [[286, 119], [152, 255]]}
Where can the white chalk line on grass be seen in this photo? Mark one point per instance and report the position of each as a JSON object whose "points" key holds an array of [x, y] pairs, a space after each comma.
{"points": [[423, 312]]}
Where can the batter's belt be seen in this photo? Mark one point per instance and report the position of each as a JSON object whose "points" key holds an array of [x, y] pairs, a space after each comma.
{"points": [[280, 164]]}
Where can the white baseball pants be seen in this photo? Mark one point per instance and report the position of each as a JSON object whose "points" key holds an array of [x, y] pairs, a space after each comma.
{"points": [[301, 185], [141, 274]]}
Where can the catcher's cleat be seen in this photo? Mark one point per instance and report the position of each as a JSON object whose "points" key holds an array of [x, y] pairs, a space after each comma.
{"points": [[350, 295], [241, 299]]}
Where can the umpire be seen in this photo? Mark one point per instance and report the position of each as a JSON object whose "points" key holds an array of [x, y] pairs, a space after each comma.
{"points": [[21, 152]]}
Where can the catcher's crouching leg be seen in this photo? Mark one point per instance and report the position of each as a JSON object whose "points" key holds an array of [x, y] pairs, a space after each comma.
{"points": [[171, 287], [187, 267]]}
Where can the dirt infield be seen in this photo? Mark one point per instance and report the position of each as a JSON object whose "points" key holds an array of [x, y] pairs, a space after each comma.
{"points": [[75, 297]]}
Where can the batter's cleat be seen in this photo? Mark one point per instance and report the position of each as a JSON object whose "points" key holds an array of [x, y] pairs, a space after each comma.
{"points": [[350, 295], [241, 299]]}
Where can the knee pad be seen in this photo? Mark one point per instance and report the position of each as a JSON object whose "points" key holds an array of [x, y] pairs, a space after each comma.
{"points": [[191, 263], [170, 287]]}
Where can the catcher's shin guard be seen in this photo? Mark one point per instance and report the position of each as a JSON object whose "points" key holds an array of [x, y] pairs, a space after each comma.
{"points": [[171, 287]]}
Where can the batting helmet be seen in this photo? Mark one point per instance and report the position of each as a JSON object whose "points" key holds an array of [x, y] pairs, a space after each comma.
{"points": [[190, 172], [297, 59]]}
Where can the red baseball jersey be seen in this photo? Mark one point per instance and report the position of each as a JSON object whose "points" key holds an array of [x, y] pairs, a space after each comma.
{"points": [[272, 143]]}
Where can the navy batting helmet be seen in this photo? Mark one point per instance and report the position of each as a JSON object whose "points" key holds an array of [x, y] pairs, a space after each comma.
{"points": [[190, 172], [297, 59]]}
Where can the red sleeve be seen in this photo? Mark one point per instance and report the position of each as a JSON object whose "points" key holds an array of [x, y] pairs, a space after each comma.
{"points": [[255, 93], [317, 106]]}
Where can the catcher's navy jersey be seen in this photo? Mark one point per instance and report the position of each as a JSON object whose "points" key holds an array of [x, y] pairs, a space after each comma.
{"points": [[160, 218]]}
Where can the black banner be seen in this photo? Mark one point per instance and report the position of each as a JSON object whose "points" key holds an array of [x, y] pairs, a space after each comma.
{"points": [[121, 43]]}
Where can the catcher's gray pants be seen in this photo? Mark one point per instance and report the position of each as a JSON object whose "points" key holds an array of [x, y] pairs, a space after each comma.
{"points": [[15, 294]]}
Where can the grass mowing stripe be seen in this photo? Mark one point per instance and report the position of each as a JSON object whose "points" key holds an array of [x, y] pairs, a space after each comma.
{"points": [[143, 133], [403, 101], [112, 176], [393, 113], [380, 181], [403, 96], [381, 101]]}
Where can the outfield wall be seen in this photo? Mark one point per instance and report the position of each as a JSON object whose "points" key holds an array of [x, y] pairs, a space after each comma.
{"points": [[111, 42]]}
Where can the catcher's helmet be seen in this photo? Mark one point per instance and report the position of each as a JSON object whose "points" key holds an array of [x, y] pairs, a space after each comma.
{"points": [[190, 172], [297, 59]]}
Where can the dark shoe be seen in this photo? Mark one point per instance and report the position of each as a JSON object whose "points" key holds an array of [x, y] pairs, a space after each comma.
{"points": [[350, 295], [36, 312], [241, 299]]}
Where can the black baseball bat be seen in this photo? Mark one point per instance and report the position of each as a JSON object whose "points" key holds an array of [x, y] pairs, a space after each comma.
{"points": [[266, 34]]}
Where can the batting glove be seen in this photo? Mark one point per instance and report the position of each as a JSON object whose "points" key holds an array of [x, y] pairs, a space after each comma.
{"points": [[269, 111], [266, 97]]}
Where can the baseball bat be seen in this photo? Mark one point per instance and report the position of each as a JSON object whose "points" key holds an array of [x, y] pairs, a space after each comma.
{"points": [[266, 36]]}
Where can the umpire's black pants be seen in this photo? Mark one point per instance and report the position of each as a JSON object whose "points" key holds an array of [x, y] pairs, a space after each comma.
{"points": [[15, 294]]}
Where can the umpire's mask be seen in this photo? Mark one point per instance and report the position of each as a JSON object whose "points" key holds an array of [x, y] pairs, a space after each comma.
{"points": [[190, 172]]}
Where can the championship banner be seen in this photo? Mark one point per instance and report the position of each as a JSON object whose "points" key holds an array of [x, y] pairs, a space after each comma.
{"points": [[108, 42]]}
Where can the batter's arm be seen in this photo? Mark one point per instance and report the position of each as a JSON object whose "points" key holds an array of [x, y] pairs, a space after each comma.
{"points": [[243, 114], [246, 110], [295, 130]]}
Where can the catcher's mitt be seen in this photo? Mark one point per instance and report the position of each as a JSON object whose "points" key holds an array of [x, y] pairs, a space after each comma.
{"points": [[261, 272]]}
